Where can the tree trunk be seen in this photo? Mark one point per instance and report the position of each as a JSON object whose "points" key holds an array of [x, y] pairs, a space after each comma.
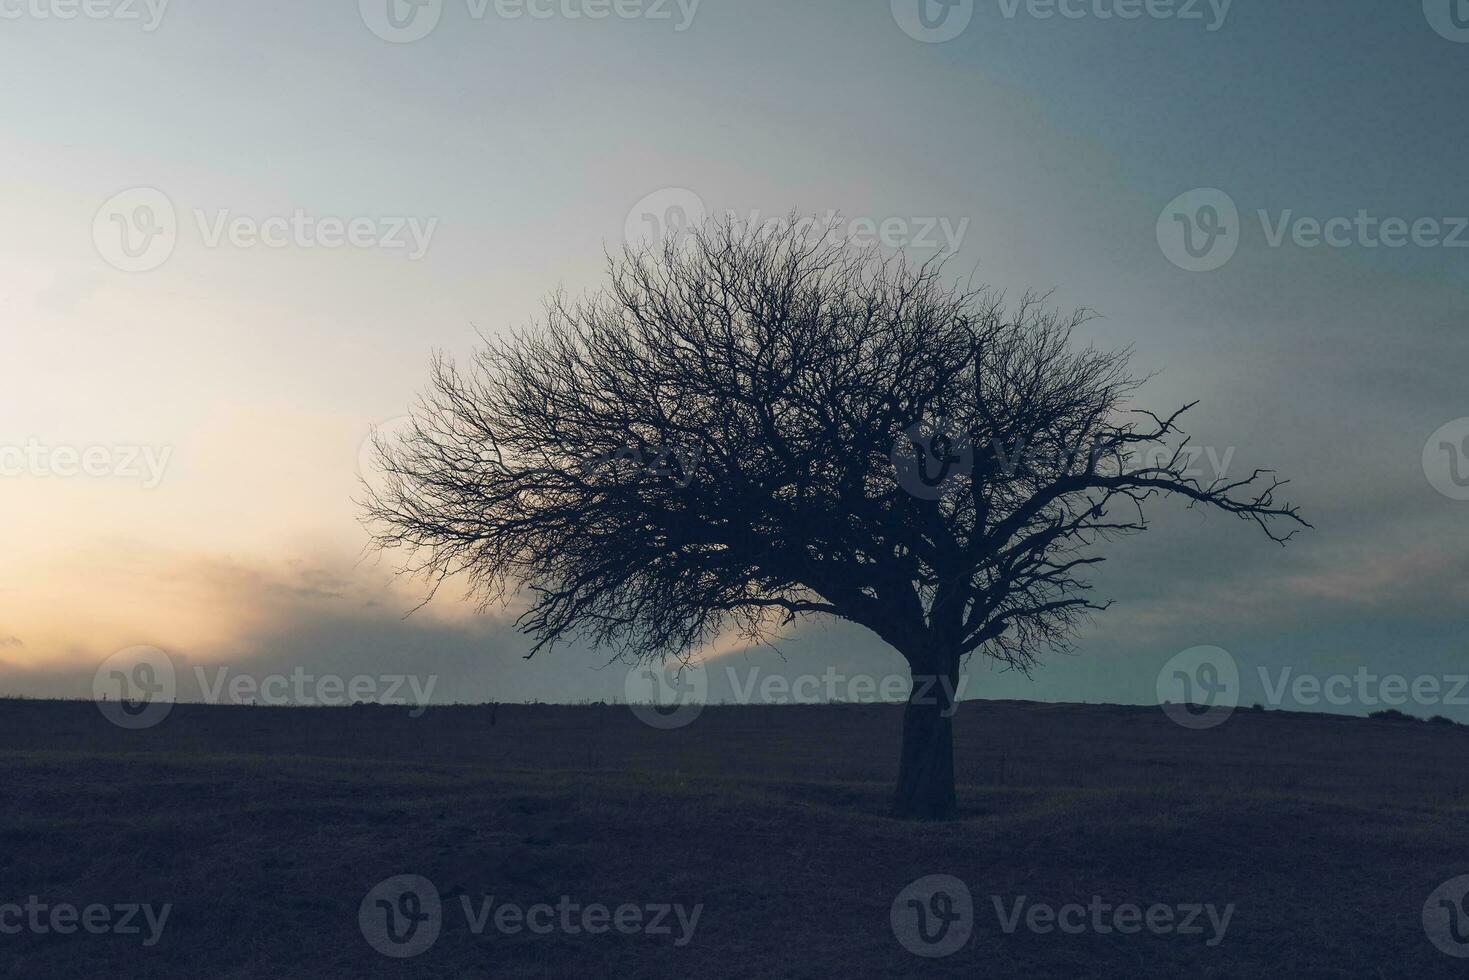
{"points": [[926, 768]]}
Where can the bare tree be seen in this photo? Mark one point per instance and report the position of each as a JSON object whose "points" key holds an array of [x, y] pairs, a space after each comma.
{"points": [[752, 425]]}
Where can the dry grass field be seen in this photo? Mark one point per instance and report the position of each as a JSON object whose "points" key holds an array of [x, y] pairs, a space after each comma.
{"points": [[264, 829]]}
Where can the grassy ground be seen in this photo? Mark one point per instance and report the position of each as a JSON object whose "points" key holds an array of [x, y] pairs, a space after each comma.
{"points": [[265, 828]]}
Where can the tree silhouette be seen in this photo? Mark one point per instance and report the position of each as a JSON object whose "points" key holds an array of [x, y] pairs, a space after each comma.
{"points": [[752, 425]]}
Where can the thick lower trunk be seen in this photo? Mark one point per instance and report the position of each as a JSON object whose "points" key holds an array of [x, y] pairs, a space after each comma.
{"points": [[926, 767]]}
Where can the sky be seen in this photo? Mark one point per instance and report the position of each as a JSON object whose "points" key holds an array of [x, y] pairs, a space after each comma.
{"points": [[233, 234]]}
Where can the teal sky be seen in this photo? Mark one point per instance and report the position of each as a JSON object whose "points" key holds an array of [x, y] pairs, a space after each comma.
{"points": [[1050, 146]]}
